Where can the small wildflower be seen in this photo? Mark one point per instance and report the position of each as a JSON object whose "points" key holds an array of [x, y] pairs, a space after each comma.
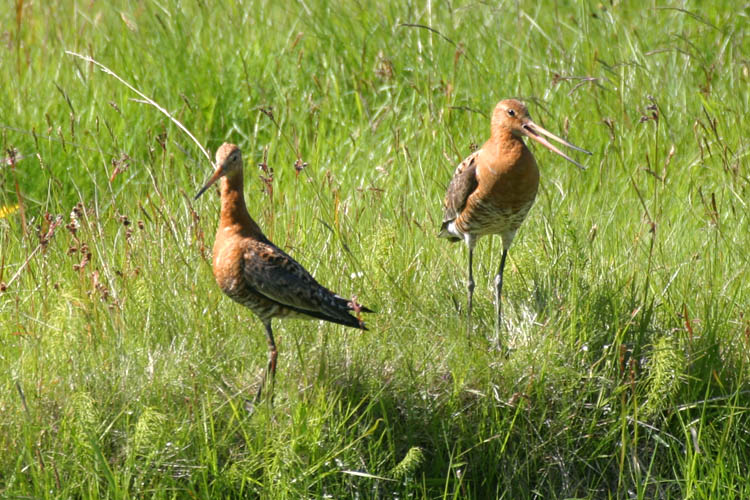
{"points": [[8, 210]]}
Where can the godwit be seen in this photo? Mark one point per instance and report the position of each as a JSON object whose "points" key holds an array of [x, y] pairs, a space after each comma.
{"points": [[256, 273], [493, 189]]}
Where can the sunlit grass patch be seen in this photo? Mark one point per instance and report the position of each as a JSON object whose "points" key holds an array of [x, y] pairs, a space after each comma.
{"points": [[127, 370]]}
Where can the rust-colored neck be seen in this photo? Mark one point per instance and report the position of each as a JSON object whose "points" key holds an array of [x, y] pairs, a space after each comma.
{"points": [[233, 209], [502, 143], [503, 136]]}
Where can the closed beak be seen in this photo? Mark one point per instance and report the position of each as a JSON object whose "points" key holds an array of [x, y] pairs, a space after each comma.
{"points": [[215, 177]]}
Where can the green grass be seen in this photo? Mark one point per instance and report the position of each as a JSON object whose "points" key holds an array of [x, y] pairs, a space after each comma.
{"points": [[124, 373]]}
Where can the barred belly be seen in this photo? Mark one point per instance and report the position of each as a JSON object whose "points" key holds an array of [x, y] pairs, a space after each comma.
{"points": [[486, 219]]}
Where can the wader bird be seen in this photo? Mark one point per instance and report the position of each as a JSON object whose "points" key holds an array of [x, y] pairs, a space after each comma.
{"points": [[256, 273], [493, 189]]}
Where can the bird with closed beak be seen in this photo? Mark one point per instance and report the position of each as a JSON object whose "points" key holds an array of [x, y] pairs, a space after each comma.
{"points": [[254, 272]]}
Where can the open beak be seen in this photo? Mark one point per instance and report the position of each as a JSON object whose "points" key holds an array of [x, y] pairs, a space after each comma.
{"points": [[215, 177], [534, 131]]}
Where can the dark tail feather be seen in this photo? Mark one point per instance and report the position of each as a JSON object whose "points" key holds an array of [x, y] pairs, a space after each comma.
{"points": [[450, 237], [445, 234], [347, 303], [344, 319]]}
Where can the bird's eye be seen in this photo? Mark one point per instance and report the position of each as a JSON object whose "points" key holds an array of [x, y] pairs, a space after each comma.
{"points": [[511, 112]]}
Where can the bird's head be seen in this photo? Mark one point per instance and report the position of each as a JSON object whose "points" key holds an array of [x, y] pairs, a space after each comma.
{"points": [[228, 164], [511, 115]]}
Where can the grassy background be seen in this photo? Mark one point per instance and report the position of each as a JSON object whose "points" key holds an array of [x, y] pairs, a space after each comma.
{"points": [[124, 369]]}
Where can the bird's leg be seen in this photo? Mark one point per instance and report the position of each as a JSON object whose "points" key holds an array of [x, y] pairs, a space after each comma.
{"points": [[271, 367], [471, 292], [498, 294], [470, 240]]}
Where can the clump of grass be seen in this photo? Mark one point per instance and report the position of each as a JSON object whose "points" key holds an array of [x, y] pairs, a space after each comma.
{"points": [[665, 374], [410, 463]]}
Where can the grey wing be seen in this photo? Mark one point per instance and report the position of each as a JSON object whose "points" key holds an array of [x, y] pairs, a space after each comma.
{"points": [[463, 183], [277, 276]]}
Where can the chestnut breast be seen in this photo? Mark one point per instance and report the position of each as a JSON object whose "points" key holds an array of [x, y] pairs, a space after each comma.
{"points": [[229, 248], [508, 176]]}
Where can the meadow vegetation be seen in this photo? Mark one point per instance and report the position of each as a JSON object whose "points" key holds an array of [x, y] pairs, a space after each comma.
{"points": [[124, 369]]}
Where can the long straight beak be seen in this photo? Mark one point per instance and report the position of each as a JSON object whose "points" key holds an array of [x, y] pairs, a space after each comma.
{"points": [[534, 131], [215, 177]]}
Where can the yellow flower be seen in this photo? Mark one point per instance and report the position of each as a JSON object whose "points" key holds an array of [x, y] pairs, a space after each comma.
{"points": [[8, 210]]}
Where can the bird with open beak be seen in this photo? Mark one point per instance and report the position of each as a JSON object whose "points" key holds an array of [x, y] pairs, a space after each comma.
{"points": [[493, 189]]}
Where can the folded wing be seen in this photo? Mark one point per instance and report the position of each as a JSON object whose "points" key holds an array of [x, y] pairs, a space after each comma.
{"points": [[463, 183], [278, 277]]}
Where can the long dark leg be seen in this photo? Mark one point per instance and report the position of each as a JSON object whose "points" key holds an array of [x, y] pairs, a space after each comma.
{"points": [[470, 285], [271, 367], [498, 295]]}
